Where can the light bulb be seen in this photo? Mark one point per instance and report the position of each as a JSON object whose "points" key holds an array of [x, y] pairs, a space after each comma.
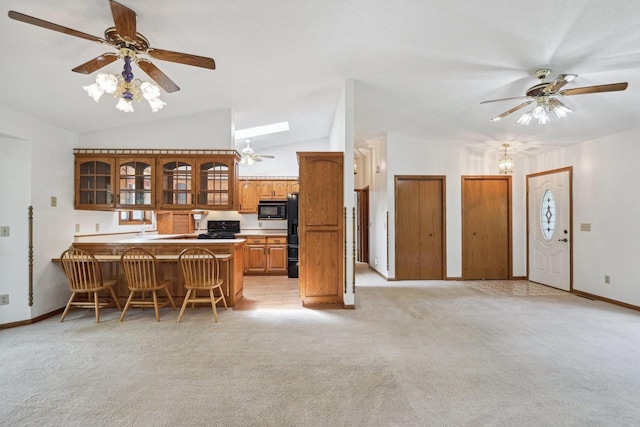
{"points": [[124, 106], [94, 91]]}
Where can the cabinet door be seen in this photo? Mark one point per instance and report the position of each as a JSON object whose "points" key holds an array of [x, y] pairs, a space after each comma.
{"points": [[175, 183], [248, 192], [294, 186], [266, 189], [135, 183], [280, 189], [255, 260], [216, 181], [94, 177], [277, 259]]}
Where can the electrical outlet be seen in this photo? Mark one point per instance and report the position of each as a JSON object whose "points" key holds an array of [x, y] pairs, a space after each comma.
{"points": [[607, 279], [4, 299], [97, 227], [5, 231], [77, 228], [54, 201]]}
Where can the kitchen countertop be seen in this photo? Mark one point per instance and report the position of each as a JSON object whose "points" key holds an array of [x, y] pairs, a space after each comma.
{"points": [[262, 232], [189, 239]]}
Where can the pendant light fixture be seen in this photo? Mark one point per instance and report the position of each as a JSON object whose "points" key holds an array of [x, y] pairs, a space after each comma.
{"points": [[505, 164]]}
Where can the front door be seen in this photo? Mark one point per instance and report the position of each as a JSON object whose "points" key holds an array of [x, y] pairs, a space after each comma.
{"points": [[549, 224]]}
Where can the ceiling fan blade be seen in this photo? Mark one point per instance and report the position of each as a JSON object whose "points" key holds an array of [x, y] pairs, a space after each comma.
{"points": [[504, 99], [158, 76], [266, 156], [256, 159], [125, 20], [96, 63], [182, 58], [558, 83], [55, 27], [513, 110], [613, 87]]}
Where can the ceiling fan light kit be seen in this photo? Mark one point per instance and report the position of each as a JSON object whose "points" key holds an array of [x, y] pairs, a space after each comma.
{"points": [[545, 95], [130, 43], [125, 88], [248, 156]]}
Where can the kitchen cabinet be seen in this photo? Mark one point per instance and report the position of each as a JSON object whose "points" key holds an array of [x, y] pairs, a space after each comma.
{"points": [[175, 182], [95, 179], [265, 255], [147, 179], [249, 195], [277, 255], [135, 183], [321, 229], [252, 189]]}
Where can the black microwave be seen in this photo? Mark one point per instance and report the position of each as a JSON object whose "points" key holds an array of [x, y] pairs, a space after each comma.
{"points": [[272, 209]]}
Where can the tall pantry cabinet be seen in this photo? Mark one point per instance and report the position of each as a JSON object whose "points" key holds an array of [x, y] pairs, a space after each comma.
{"points": [[321, 228]]}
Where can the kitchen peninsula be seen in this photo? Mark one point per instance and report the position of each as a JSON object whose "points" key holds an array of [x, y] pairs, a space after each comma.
{"points": [[167, 247]]}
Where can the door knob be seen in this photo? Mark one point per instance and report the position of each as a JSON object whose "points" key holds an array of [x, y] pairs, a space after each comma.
{"points": [[563, 240]]}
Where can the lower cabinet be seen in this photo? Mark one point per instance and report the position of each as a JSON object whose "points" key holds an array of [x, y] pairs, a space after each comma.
{"points": [[265, 255]]}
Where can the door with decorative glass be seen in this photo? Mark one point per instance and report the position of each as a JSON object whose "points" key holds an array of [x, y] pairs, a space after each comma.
{"points": [[549, 225]]}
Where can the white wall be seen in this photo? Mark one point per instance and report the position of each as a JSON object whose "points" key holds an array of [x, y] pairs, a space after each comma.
{"points": [[604, 195], [43, 155]]}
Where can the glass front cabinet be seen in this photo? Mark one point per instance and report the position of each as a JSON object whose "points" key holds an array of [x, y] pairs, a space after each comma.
{"points": [[169, 179]]}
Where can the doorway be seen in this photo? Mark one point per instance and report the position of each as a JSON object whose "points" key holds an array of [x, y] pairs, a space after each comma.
{"points": [[486, 227], [549, 221], [362, 203], [420, 227]]}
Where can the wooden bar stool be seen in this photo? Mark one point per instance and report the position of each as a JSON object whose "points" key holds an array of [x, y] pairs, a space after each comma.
{"points": [[201, 272]]}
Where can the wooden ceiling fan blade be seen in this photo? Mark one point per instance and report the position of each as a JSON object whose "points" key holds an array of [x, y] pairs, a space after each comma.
{"points": [[182, 58], [504, 99], [55, 27], [125, 20], [613, 87], [513, 110], [96, 63], [559, 82], [158, 76]]}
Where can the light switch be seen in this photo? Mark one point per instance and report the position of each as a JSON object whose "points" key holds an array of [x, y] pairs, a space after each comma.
{"points": [[5, 231], [585, 227], [54, 201]]}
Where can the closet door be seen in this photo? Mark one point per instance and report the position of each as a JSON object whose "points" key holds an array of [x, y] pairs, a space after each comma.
{"points": [[486, 227], [420, 225]]}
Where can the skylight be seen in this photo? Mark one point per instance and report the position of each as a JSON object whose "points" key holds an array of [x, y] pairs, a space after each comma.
{"points": [[262, 130]]}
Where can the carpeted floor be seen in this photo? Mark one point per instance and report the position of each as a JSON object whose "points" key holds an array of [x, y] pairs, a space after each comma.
{"points": [[411, 354]]}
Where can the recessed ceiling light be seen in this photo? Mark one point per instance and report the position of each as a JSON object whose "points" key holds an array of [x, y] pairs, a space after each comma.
{"points": [[262, 130]]}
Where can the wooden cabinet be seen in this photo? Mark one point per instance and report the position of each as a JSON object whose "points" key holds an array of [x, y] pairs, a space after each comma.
{"points": [[175, 222], [94, 183], [321, 228], [252, 189], [265, 255], [175, 183], [249, 194], [277, 255], [143, 179], [135, 183]]}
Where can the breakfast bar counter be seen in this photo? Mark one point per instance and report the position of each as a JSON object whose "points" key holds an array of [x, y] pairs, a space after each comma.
{"points": [[107, 250]]}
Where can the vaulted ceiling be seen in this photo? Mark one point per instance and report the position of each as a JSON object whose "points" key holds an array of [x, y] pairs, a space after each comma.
{"points": [[421, 67]]}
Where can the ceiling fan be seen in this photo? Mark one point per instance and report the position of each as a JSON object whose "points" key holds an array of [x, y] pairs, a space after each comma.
{"points": [[545, 95], [248, 156], [129, 43]]}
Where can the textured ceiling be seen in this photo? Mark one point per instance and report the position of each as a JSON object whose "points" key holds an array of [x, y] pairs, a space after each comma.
{"points": [[421, 67]]}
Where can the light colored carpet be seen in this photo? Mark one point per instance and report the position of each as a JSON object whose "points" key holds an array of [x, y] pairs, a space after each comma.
{"points": [[410, 354]]}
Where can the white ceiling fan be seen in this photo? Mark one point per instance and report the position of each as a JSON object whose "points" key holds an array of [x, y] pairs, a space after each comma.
{"points": [[249, 157]]}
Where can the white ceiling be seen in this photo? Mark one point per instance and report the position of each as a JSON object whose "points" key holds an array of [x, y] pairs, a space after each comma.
{"points": [[422, 67]]}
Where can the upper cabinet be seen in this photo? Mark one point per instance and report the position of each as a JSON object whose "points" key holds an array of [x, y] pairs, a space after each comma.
{"points": [[252, 189], [95, 183], [135, 183], [146, 179]]}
